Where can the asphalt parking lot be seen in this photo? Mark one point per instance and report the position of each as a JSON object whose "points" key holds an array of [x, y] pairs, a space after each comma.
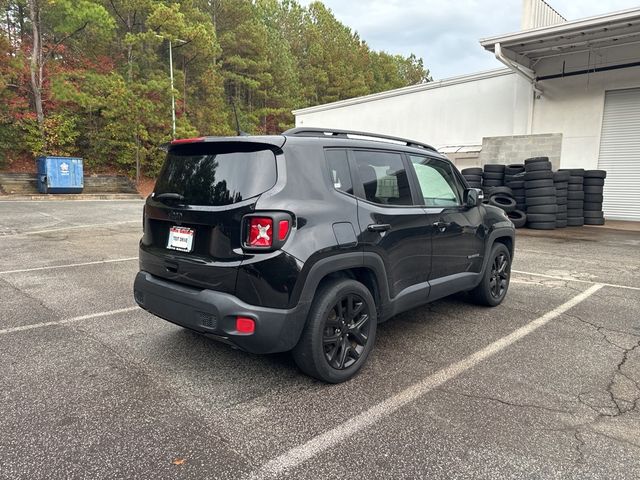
{"points": [[545, 386]]}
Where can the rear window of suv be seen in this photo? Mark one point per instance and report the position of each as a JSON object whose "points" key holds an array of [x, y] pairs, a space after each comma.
{"points": [[213, 175]]}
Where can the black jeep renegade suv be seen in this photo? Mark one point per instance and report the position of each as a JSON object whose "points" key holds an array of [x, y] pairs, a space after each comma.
{"points": [[306, 240]]}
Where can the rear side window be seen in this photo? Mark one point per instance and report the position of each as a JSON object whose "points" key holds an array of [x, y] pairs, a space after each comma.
{"points": [[204, 176], [338, 164], [383, 177], [437, 182]]}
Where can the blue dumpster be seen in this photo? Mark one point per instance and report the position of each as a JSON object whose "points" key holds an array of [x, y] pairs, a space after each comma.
{"points": [[60, 175]]}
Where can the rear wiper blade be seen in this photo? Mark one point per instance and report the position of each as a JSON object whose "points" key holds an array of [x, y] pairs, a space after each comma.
{"points": [[169, 196]]}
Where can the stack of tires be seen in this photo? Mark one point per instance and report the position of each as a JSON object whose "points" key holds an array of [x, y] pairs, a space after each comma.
{"points": [[575, 204], [593, 187], [473, 176], [514, 179], [502, 197], [561, 183], [540, 194], [493, 176]]}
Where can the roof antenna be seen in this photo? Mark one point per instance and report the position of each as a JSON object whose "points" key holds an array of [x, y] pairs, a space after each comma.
{"points": [[235, 114]]}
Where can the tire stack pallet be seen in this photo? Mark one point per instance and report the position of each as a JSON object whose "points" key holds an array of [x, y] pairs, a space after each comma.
{"points": [[561, 183], [575, 204], [593, 187], [540, 193], [514, 179], [473, 176], [493, 176]]}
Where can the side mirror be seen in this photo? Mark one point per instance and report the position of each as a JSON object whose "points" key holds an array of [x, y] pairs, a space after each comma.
{"points": [[473, 197]]}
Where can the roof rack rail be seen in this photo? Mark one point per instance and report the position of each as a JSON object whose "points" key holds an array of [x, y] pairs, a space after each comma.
{"points": [[324, 132]]}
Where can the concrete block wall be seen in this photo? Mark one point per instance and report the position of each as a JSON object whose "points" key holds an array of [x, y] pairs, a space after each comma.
{"points": [[515, 148]]}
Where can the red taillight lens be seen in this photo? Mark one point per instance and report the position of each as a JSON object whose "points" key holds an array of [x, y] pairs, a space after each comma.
{"points": [[245, 325], [283, 229], [260, 232], [180, 141]]}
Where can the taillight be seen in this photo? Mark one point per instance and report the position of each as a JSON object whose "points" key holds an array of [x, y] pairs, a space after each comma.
{"points": [[266, 230], [283, 229], [260, 232]]}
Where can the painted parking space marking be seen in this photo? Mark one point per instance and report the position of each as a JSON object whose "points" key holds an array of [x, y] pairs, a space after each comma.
{"points": [[70, 265], [279, 466], [66, 321], [570, 279], [72, 227]]}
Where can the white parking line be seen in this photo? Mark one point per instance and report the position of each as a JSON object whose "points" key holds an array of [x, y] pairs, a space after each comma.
{"points": [[279, 466], [55, 267], [33, 326], [570, 279], [73, 227]]}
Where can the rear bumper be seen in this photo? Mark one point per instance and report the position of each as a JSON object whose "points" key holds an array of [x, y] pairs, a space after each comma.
{"points": [[214, 314]]}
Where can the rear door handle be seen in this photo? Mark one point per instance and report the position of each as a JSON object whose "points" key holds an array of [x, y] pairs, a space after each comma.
{"points": [[379, 227], [442, 226]]}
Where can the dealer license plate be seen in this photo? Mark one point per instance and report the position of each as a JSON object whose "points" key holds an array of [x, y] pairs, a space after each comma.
{"points": [[181, 238]]}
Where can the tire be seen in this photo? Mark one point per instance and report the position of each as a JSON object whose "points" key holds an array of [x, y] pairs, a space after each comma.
{"points": [[593, 214], [560, 200], [471, 171], [574, 172], [495, 168], [592, 189], [547, 182], [562, 209], [501, 190], [514, 169], [492, 183], [561, 223], [505, 202], [561, 176], [309, 354], [578, 180], [574, 187], [493, 176], [473, 178], [575, 221], [593, 206], [592, 197], [553, 209], [495, 281], [561, 185], [515, 184], [541, 217], [535, 201], [594, 221], [539, 175], [535, 160], [575, 195], [575, 213], [537, 166], [518, 218], [595, 174], [574, 204], [542, 225], [593, 182], [540, 192]]}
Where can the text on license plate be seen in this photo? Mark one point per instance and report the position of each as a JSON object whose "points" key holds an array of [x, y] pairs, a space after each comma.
{"points": [[180, 238]]}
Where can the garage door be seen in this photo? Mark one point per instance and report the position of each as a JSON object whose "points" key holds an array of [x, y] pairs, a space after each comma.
{"points": [[620, 154]]}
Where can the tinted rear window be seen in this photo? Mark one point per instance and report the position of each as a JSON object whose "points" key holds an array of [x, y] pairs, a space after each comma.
{"points": [[206, 177]]}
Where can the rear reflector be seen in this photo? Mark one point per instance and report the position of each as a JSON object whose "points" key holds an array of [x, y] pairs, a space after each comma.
{"points": [[260, 232], [283, 229], [245, 325], [187, 140]]}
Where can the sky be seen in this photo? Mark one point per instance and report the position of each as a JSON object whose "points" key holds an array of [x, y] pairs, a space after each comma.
{"points": [[445, 33]]}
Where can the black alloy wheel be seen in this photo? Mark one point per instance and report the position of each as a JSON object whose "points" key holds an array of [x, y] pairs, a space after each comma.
{"points": [[346, 331], [499, 280]]}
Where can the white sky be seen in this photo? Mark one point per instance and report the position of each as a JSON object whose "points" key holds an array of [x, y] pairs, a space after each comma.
{"points": [[445, 33]]}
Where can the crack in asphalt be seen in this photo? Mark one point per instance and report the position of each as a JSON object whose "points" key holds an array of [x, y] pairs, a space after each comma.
{"points": [[504, 402]]}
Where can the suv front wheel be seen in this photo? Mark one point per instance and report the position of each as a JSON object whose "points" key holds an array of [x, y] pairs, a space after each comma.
{"points": [[495, 281], [340, 332]]}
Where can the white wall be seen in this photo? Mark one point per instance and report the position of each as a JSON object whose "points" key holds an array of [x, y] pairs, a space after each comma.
{"points": [[574, 106], [453, 112]]}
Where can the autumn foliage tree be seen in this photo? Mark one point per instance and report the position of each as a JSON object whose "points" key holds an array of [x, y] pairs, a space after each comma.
{"points": [[91, 77]]}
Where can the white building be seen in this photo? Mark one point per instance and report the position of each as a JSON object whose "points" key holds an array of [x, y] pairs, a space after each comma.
{"points": [[570, 90]]}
